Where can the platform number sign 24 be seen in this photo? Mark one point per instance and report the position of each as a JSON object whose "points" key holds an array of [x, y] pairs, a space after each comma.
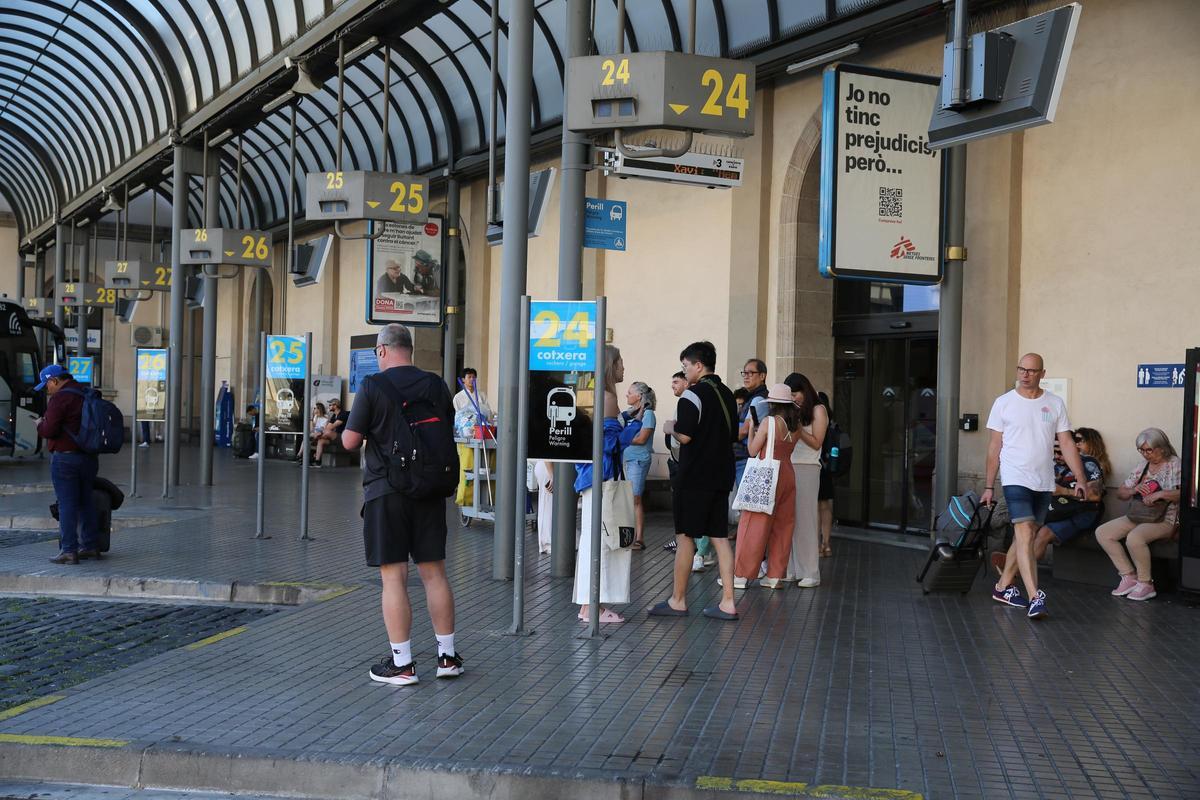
{"points": [[562, 336]]}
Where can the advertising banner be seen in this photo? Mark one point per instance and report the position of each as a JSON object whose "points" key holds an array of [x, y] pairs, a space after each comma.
{"points": [[406, 275], [562, 390], [881, 183], [283, 407], [151, 384]]}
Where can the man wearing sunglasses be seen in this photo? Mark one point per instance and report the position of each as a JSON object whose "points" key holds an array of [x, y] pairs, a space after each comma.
{"points": [[1024, 424]]}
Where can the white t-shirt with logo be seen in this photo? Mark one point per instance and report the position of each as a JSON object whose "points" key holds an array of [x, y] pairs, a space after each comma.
{"points": [[1029, 428]]}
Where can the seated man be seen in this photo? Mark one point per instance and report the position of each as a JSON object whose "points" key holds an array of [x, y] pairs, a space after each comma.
{"points": [[332, 431], [1069, 516]]}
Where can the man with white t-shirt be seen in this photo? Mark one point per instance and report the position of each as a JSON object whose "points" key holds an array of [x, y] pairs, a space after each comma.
{"points": [[1024, 424]]}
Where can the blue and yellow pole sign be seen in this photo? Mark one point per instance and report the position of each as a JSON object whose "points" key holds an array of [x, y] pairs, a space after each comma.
{"points": [[562, 336], [80, 368]]}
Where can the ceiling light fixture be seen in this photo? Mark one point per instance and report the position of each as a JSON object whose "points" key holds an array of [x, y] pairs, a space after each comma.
{"points": [[278, 102], [824, 58]]}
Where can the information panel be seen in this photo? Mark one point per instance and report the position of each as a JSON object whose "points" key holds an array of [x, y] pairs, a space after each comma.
{"points": [[151, 405], [562, 363], [283, 407], [405, 265], [881, 183]]}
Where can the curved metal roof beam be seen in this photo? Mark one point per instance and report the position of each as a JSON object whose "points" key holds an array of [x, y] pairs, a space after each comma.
{"points": [[773, 20], [39, 154], [265, 153], [181, 41], [14, 206], [26, 99], [441, 96], [630, 34], [133, 67], [252, 205], [168, 70], [303, 165], [50, 62], [330, 113], [69, 168], [20, 179], [434, 150], [226, 38], [673, 26], [251, 36], [393, 103], [537, 102], [364, 100], [722, 28], [483, 51]]}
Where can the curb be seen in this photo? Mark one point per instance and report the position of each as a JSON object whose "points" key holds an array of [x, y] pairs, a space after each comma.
{"points": [[44, 522], [283, 594], [184, 768]]}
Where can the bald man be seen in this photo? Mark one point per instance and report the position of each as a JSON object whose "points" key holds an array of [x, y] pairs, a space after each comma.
{"points": [[1024, 424]]}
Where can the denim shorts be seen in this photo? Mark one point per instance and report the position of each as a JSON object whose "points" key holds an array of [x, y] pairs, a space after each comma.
{"points": [[635, 473], [1067, 529], [1026, 505]]}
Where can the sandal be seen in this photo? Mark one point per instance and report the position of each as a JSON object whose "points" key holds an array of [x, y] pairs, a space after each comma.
{"points": [[638, 545], [826, 551], [608, 615]]}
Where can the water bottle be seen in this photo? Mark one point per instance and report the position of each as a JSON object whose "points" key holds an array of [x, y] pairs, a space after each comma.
{"points": [[833, 457]]}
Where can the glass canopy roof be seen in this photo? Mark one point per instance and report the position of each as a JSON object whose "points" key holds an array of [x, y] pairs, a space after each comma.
{"points": [[87, 85]]}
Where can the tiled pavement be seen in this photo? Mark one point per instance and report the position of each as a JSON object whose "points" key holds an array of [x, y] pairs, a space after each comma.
{"points": [[863, 682]]}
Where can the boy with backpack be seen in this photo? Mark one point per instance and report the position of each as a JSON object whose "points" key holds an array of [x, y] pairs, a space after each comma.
{"points": [[72, 468], [407, 420]]}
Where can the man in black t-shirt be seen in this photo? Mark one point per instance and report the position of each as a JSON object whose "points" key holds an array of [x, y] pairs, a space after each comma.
{"points": [[706, 427], [333, 429], [396, 526]]}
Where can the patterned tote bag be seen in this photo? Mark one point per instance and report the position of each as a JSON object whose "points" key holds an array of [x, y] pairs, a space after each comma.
{"points": [[757, 489]]}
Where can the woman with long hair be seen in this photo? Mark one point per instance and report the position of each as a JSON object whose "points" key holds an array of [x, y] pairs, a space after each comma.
{"points": [[771, 534], [804, 562], [614, 564]]}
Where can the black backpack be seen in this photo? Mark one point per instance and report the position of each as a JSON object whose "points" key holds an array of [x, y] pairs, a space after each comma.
{"points": [[837, 464], [422, 457], [101, 425]]}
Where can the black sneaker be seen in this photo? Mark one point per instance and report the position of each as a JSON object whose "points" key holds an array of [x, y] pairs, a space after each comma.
{"points": [[671, 546], [386, 671], [450, 666]]}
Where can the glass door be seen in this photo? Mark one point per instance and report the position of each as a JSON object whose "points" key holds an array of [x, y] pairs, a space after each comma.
{"points": [[885, 394]]}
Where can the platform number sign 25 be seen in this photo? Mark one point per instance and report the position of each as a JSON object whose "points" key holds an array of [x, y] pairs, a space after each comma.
{"points": [[285, 357]]}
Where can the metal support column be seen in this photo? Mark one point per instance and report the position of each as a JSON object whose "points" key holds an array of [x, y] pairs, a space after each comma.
{"points": [[453, 311], [260, 511], [208, 346], [178, 279], [20, 277], [304, 458], [521, 490], [570, 282], [513, 274], [133, 431], [60, 270], [39, 282], [951, 293], [81, 321]]}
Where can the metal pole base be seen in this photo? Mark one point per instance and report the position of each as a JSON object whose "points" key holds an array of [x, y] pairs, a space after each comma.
{"points": [[259, 536], [516, 632], [589, 634]]}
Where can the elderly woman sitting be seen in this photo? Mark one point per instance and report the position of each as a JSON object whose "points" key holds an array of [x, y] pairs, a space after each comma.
{"points": [[1153, 491]]}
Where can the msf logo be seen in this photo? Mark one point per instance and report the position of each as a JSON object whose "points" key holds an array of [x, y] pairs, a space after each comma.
{"points": [[903, 247]]}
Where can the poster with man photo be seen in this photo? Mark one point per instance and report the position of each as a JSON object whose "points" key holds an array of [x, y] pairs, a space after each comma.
{"points": [[405, 265]]}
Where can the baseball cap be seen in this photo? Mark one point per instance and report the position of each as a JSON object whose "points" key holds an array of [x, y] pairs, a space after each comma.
{"points": [[52, 371], [423, 256]]}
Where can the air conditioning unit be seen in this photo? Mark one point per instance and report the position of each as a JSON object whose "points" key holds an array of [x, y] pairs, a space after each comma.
{"points": [[146, 336]]}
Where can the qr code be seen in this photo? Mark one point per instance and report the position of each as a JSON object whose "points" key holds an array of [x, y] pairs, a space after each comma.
{"points": [[891, 202]]}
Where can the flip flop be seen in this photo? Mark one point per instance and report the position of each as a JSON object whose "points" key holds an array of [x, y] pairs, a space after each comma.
{"points": [[664, 609], [611, 616], [638, 546], [715, 612]]}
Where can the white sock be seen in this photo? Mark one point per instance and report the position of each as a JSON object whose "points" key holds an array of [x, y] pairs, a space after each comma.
{"points": [[445, 644], [401, 653]]}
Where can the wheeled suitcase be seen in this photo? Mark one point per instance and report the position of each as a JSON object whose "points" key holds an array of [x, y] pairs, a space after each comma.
{"points": [[952, 567], [244, 440], [106, 497]]}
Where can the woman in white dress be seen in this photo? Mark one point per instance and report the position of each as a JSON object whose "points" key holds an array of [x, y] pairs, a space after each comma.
{"points": [[804, 565], [544, 475], [614, 564]]}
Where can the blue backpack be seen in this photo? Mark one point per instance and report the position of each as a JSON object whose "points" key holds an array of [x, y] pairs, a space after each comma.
{"points": [[101, 426]]}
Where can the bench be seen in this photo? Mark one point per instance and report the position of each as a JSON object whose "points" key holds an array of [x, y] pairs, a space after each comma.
{"points": [[335, 455], [1083, 560]]}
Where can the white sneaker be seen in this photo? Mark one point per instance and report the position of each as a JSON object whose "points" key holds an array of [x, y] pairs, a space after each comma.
{"points": [[738, 583], [144, 444], [252, 455], [697, 563], [709, 560], [808, 583], [762, 570]]}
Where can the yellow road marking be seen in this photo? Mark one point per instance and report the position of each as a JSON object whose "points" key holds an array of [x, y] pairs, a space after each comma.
{"points": [[789, 788], [66, 741], [337, 593], [31, 705], [216, 638]]}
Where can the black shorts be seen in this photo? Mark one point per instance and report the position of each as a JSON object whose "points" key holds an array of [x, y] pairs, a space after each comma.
{"points": [[396, 527], [701, 512], [825, 487]]}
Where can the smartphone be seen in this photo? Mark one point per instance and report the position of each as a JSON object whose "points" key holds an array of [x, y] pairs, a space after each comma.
{"points": [[754, 415]]}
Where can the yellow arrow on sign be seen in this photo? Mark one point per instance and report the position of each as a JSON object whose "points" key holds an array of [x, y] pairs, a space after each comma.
{"points": [[373, 203], [145, 283], [678, 108], [228, 252]]}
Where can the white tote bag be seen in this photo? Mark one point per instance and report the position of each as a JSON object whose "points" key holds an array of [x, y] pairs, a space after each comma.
{"points": [[616, 515], [757, 489]]}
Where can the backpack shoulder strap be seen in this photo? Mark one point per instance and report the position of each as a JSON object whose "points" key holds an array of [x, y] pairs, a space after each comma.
{"points": [[385, 385]]}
